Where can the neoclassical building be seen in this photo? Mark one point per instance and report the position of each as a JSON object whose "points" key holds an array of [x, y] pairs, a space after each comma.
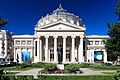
{"points": [[60, 27], [5, 46]]}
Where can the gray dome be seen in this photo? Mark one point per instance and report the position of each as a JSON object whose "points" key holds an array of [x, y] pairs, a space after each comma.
{"points": [[60, 14]]}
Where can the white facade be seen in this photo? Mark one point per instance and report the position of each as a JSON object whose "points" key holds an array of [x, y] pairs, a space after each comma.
{"points": [[5, 47], [64, 28]]}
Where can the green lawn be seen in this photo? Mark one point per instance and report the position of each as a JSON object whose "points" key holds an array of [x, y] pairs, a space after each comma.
{"points": [[92, 77], [109, 73], [11, 73], [15, 68]]}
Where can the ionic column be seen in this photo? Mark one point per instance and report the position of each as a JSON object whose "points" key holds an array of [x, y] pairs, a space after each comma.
{"points": [[20, 56], [46, 48], [15, 55], [55, 48], [80, 59], [105, 56], [64, 48], [73, 49], [38, 49]]}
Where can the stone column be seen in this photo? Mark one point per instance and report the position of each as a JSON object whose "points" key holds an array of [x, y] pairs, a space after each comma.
{"points": [[80, 59], [20, 56], [64, 48], [73, 49], [15, 55], [105, 56], [40, 49], [46, 48], [55, 49]]}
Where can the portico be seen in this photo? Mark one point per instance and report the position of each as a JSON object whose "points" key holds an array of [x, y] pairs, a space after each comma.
{"points": [[72, 49]]}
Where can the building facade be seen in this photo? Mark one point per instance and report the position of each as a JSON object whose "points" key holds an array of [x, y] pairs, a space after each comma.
{"points": [[5, 47], [60, 27]]}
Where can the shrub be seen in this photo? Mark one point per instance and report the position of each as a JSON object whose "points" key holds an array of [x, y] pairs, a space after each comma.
{"points": [[1, 71], [84, 65], [72, 67], [25, 65], [25, 77], [93, 77], [117, 75], [8, 77], [39, 65], [50, 67]]}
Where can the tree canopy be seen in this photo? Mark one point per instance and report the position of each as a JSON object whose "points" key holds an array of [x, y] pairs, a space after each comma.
{"points": [[113, 43], [3, 22]]}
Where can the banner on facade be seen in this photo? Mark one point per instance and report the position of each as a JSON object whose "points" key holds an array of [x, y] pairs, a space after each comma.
{"points": [[25, 56], [98, 55]]}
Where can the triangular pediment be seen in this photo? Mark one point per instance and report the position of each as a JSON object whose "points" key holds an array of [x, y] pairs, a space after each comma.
{"points": [[61, 26]]}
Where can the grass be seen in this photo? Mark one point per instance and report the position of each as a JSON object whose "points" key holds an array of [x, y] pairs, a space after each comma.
{"points": [[10, 74], [28, 66], [15, 68], [91, 77], [109, 73]]}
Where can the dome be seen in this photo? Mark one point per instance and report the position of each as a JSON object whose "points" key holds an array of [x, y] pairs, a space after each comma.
{"points": [[60, 14]]}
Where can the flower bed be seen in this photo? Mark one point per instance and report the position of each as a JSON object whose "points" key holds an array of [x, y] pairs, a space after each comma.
{"points": [[60, 72]]}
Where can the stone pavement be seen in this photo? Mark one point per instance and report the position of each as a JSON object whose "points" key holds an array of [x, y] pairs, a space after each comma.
{"points": [[86, 71], [33, 72], [94, 72]]}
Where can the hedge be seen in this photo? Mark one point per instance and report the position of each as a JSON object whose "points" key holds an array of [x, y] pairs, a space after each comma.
{"points": [[72, 67], [22, 77], [8, 77], [97, 77], [46, 77]]}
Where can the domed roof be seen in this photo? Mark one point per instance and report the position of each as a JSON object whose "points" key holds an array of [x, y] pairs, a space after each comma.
{"points": [[60, 14]]}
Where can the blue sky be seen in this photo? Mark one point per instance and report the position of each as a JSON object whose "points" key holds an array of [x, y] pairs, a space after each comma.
{"points": [[24, 14]]}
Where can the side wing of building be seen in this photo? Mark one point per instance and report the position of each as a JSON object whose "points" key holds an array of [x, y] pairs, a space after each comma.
{"points": [[23, 48]]}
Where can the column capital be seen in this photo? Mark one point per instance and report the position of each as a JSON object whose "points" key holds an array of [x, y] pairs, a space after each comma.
{"points": [[46, 36], [64, 36], [55, 36], [81, 36], [73, 36], [38, 36]]}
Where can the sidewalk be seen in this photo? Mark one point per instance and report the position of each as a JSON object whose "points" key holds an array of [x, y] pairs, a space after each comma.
{"points": [[33, 72], [86, 71], [94, 72]]}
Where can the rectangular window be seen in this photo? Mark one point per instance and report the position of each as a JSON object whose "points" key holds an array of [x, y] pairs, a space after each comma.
{"points": [[96, 42], [91, 43], [29, 42], [17, 42], [102, 43], [35, 48]]}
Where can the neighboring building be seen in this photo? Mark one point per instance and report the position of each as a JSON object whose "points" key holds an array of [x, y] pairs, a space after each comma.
{"points": [[23, 44], [6, 54], [64, 28]]}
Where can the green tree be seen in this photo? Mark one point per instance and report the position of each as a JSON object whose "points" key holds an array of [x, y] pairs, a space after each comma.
{"points": [[118, 9], [113, 43], [3, 22]]}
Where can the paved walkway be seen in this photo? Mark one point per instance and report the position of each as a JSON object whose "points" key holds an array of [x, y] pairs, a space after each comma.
{"points": [[86, 71], [33, 72], [94, 72]]}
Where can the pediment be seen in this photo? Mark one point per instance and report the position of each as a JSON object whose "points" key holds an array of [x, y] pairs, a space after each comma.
{"points": [[61, 26]]}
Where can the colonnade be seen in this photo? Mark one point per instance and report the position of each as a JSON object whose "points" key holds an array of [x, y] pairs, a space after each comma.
{"points": [[55, 38]]}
